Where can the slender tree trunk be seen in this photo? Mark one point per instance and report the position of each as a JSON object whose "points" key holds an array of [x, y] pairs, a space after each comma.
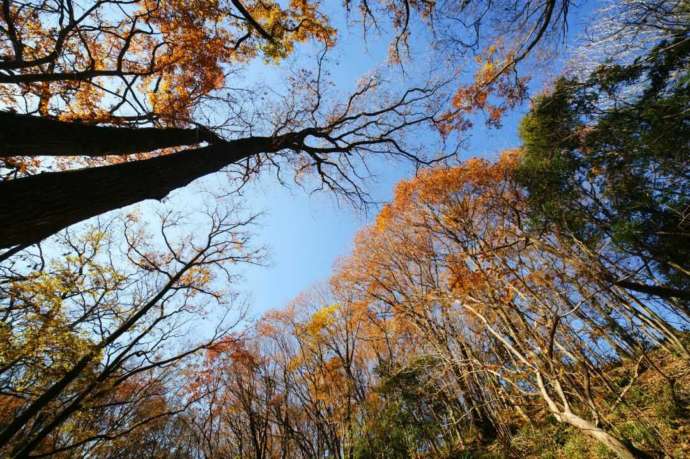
{"points": [[654, 290], [600, 435], [34, 136], [566, 416], [57, 388], [35, 207]]}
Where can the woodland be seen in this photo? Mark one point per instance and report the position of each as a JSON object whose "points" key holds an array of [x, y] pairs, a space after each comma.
{"points": [[533, 303]]}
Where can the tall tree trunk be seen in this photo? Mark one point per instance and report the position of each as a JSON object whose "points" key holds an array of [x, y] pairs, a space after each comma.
{"points": [[655, 290], [34, 136], [35, 207]]}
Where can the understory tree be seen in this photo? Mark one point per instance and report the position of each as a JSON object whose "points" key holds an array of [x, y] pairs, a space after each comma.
{"points": [[91, 329]]}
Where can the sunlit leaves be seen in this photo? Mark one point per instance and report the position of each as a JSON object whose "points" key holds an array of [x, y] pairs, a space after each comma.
{"points": [[152, 59]]}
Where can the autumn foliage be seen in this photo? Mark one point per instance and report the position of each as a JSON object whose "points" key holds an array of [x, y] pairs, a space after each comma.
{"points": [[532, 304], [451, 326]]}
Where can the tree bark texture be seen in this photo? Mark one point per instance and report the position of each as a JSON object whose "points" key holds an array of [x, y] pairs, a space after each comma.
{"points": [[32, 208], [35, 136]]}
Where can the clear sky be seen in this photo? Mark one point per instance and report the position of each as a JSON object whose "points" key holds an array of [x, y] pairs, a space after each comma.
{"points": [[307, 232]]}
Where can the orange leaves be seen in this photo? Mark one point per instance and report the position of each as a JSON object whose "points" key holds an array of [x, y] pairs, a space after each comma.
{"points": [[188, 66], [495, 89], [310, 23], [233, 350], [442, 260], [383, 218], [201, 38], [436, 186], [20, 165], [147, 59], [445, 236], [461, 279]]}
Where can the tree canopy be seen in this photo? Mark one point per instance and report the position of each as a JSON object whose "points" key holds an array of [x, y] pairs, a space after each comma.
{"points": [[607, 159], [535, 303]]}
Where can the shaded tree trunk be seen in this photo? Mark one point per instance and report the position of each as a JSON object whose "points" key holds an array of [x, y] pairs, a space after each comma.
{"points": [[35, 207], [34, 136], [654, 290], [612, 443], [566, 416]]}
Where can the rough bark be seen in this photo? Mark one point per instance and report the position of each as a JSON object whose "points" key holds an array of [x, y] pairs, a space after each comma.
{"points": [[33, 136], [35, 207]]}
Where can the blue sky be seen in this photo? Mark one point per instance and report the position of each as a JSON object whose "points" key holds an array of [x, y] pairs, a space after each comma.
{"points": [[305, 232]]}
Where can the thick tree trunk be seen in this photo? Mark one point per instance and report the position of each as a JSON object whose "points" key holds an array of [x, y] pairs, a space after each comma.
{"points": [[35, 207], [34, 136]]}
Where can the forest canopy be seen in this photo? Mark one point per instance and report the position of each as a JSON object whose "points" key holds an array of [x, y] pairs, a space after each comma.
{"points": [[529, 300]]}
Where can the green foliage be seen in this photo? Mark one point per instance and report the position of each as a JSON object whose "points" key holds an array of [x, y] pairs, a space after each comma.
{"points": [[576, 448], [607, 158], [637, 432], [407, 424], [391, 435]]}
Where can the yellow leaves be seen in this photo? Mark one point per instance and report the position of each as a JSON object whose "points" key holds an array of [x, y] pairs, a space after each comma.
{"points": [[41, 292], [198, 277], [86, 105], [299, 23], [44, 341], [321, 320], [45, 338], [491, 65], [311, 24], [294, 363]]}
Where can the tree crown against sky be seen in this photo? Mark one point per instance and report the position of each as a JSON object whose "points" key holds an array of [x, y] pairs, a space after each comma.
{"points": [[606, 158], [451, 324], [170, 67], [465, 314]]}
